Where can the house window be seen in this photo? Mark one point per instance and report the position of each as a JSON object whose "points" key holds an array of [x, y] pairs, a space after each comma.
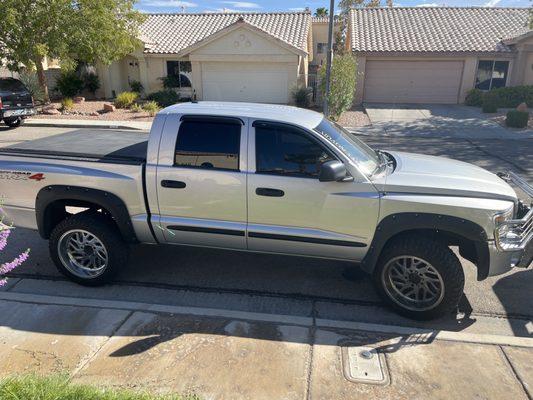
{"points": [[321, 48], [177, 70], [491, 74]]}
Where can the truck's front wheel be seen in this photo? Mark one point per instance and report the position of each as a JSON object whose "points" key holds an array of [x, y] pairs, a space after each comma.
{"points": [[420, 277], [88, 249]]}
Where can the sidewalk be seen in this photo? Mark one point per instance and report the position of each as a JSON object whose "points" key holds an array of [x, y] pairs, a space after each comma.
{"points": [[226, 354], [88, 123]]}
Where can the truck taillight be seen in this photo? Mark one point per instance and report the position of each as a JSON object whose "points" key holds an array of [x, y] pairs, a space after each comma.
{"points": [[1, 105], [32, 102]]}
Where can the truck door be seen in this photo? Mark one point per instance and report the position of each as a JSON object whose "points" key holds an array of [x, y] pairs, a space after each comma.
{"points": [[291, 211], [201, 182]]}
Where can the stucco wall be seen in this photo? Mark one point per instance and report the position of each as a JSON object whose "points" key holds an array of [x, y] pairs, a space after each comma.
{"points": [[320, 35]]}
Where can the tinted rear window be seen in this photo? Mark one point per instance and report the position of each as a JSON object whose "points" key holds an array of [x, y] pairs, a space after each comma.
{"points": [[12, 85]]}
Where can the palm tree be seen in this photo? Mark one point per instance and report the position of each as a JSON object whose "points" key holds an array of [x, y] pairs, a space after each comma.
{"points": [[321, 12]]}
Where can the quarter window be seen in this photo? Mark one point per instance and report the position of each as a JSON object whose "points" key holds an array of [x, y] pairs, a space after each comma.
{"points": [[288, 152], [491, 74], [208, 145]]}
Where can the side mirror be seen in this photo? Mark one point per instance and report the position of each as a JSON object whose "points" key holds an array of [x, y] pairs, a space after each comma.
{"points": [[333, 171]]}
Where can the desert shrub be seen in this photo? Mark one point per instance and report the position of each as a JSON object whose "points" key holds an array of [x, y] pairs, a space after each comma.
{"points": [[302, 96], [517, 119], [91, 82], [490, 103], [136, 107], [136, 86], [30, 80], [67, 104], [342, 84], [164, 98], [474, 97], [151, 107], [126, 99], [69, 84]]}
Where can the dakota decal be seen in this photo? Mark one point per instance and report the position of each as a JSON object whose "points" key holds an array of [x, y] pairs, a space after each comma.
{"points": [[20, 176]]}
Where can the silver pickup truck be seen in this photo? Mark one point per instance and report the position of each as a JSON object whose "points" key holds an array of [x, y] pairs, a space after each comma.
{"points": [[273, 179]]}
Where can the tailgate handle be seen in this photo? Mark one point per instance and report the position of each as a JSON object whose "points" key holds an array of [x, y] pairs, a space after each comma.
{"points": [[173, 184], [269, 192]]}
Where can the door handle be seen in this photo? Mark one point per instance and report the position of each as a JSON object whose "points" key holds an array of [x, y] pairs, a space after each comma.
{"points": [[269, 192], [173, 184]]}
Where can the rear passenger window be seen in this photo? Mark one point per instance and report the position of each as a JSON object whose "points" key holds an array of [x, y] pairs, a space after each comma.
{"points": [[208, 145], [289, 152]]}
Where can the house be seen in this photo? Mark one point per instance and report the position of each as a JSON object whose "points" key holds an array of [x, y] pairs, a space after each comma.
{"points": [[437, 54], [256, 57], [320, 40]]}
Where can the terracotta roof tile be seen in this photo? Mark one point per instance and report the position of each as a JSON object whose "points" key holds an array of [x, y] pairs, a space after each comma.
{"points": [[172, 33], [435, 29]]}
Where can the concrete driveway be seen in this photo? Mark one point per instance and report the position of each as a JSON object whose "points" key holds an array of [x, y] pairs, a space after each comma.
{"points": [[437, 120]]}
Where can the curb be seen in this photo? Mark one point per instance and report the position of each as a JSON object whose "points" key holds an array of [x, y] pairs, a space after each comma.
{"points": [[474, 338]]}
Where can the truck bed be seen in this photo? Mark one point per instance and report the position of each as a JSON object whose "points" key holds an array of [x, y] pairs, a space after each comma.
{"points": [[100, 145]]}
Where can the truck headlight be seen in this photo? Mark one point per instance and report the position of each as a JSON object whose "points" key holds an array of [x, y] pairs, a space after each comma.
{"points": [[503, 231], [501, 217]]}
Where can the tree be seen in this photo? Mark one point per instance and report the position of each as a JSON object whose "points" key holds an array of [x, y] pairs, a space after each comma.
{"points": [[69, 30], [321, 12], [342, 84], [345, 5]]}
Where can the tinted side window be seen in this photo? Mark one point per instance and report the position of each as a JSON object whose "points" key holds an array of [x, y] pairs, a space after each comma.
{"points": [[284, 151], [208, 145]]}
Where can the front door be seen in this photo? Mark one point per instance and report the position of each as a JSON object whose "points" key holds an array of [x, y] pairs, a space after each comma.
{"points": [[290, 211], [202, 191]]}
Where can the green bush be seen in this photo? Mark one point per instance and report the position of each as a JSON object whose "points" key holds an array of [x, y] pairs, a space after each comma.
{"points": [[512, 96], [151, 108], [69, 84], [342, 84], [164, 98], [136, 107], [517, 119], [30, 80], [490, 103], [136, 86], [474, 97], [126, 99], [302, 96], [91, 82], [67, 104]]}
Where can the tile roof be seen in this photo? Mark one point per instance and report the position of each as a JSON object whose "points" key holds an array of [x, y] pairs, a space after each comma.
{"points": [[172, 33], [435, 29]]}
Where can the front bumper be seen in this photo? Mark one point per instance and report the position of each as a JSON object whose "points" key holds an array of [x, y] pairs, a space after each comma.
{"points": [[501, 262], [17, 112]]}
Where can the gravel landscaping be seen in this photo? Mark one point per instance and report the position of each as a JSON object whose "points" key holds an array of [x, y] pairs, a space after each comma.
{"points": [[88, 109], [354, 117]]}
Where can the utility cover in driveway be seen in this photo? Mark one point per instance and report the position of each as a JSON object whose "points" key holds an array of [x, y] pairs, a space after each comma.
{"points": [[412, 81], [364, 364]]}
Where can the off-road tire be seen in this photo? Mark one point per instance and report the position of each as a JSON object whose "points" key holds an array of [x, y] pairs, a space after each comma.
{"points": [[439, 255], [14, 122], [105, 231]]}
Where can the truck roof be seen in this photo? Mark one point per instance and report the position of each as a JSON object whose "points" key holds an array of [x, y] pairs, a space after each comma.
{"points": [[294, 115]]}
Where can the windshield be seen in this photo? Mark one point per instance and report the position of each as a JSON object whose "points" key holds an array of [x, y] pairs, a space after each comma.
{"points": [[12, 85], [357, 150]]}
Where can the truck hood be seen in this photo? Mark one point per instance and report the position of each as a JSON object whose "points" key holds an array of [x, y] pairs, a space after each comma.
{"points": [[417, 173]]}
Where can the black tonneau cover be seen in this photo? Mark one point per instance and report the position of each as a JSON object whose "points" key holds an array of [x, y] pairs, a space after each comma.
{"points": [[101, 145]]}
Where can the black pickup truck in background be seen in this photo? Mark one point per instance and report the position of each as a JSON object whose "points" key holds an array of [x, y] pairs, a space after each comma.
{"points": [[16, 102]]}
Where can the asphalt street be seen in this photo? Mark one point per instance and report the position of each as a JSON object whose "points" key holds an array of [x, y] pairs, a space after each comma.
{"points": [[291, 285]]}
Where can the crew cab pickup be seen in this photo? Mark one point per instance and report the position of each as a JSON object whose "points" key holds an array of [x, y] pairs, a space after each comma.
{"points": [[266, 178]]}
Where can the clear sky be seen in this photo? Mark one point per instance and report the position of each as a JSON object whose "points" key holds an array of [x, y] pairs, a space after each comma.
{"points": [[154, 6]]}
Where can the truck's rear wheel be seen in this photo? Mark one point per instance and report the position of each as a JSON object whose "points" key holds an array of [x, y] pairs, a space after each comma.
{"points": [[14, 122], [87, 249], [421, 278]]}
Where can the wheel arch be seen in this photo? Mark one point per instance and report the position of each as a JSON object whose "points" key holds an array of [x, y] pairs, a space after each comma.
{"points": [[51, 203], [469, 236]]}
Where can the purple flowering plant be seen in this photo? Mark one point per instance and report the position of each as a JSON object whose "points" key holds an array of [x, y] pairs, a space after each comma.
{"points": [[7, 267]]}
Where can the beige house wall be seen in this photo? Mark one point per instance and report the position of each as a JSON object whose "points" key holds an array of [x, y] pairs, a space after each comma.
{"points": [[320, 35]]}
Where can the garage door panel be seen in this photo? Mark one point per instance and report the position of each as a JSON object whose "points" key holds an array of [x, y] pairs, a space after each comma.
{"points": [[412, 81], [252, 82]]}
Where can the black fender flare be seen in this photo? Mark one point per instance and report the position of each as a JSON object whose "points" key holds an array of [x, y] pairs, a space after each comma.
{"points": [[395, 224], [111, 202]]}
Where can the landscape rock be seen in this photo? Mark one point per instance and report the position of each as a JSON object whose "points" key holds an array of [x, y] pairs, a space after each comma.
{"points": [[51, 106], [51, 111], [95, 114], [79, 99], [522, 107], [109, 107]]}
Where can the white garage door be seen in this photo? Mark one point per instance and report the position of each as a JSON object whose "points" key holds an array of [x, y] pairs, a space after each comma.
{"points": [[412, 81], [253, 82]]}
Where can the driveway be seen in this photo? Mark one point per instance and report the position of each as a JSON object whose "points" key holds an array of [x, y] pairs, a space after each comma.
{"points": [[425, 120]]}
